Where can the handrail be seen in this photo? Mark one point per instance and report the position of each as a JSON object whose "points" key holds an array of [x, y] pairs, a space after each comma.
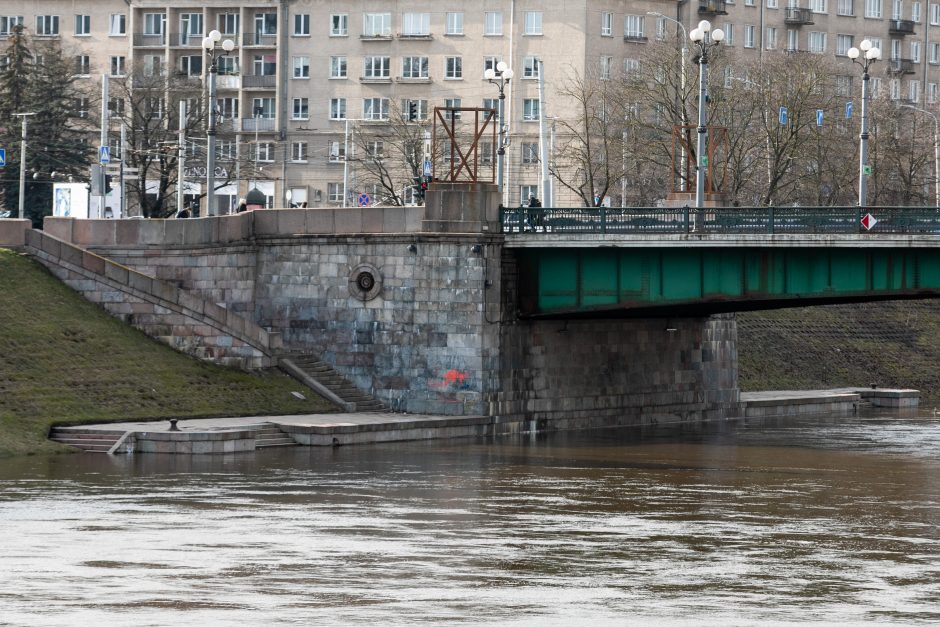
{"points": [[754, 220]]}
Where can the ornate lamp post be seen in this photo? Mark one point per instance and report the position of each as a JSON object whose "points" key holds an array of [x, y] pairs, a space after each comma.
{"points": [[212, 54], [500, 77], [871, 55], [680, 98], [705, 39]]}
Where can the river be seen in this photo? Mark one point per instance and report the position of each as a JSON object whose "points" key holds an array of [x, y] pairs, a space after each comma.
{"points": [[820, 519]]}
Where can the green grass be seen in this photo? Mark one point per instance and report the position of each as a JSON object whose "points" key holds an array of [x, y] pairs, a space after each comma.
{"points": [[64, 360]]}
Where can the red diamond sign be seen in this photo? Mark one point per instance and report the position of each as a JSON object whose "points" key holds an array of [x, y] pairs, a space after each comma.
{"points": [[869, 221]]}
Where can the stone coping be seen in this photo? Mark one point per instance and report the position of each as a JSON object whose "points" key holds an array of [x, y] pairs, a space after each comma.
{"points": [[195, 436], [767, 399], [13, 232], [409, 422]]}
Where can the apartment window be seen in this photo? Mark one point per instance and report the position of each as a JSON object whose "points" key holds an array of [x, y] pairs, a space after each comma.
{"points": [[819, 6], [895, 48], [452, 103], [875, 87], [894, 85], [154, 23], [375, 150], [335, 192], [772, 4], [530, 67], [155, 108], [933, 50], [298, 151], [770, 38], [302, 25], [491, 103], [377, 67], [533, 22], [377, 25], [337, 108], [301, 67], [265, 24], [82, 25], [153, 65], [729, 34], [228, 24], [793, 40], [117, 25], [817, 42], [81, 107], [116, 106], [846, 7], [607, 24], [843, 43], [7, 22], [748, 3], [414, 67], [489, 63], [604, 69], [225, 149], [228, 108], [228, 66], [264, 151], [915, 12], [843, 85], [47, 25], [339, 25], [631, 67], [915, 51], [117, 66], [931, 93], [301, 110], [660, 29], [530, 109], [454, 24], [375, 108], [453, 68], [527, 191], [337, 152], [422, 106], [748, 35], [896, 10], [873, 8], [337, 67], [189, 65], [913, 91], [263, 108], [633, 26], [264, 64], [935, 14], [492, 23], [530, 153], [416, 24]]}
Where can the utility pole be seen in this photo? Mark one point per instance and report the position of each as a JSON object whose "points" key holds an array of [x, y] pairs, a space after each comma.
{"points": [[543, 140], [181, 158], [102, 185], [123, 154], [22, 208]]}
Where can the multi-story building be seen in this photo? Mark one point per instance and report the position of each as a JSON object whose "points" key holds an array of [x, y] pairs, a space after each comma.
{"points": [[304, 71]]}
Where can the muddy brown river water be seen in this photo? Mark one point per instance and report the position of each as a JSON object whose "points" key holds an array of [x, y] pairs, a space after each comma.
{"points": [[822, 519]]}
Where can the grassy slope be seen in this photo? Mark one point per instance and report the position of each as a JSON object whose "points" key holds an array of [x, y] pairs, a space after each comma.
{"points": [[64, 360], [891, 344]]}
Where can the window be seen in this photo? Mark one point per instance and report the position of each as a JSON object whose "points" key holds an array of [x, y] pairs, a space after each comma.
{"points": [[82, 25], [377, 67], [228, 66], [414, 67], [228, 24], [153, 65], [873, 8], [301, 67], [533, 23], [913, 91], [846, 7], [298, 151], [915, 51], [729, 34], [933, 50], [47, 25], [191, 30], [817, 42], [770, 38], [375, 149], [302, 25], [631, 67], [117, 66], [375, 108], [526, 191], [607, 24], [339, 25], [491, 103], [895, 86], [935, 14], [335, 192], [492, 23], [265, 24], [301, 110], [530, 67], [915, 12], [81, 107], [486, 153], [843, 43], [660, 29], [772, 4], [454, 24], [155, 108], [116, 106], [793, 40], [530, 109], [819, 6], [337, 108], [896, 10], [189, 65], [264, 151], [453, 68], [748, 35], [225, 149], [530, 153], [416, 24], [748, 3], [843, 85], [377, 25], [931, 93], [228, 108], [489, 63], [895, 48], [154, 23], [875, 87], [263, 108], [264, 64], [8, 22], [604, 69], [422, 108], [337, 67], [633, 27], [117, 25], [337, 152], [452, 103]]}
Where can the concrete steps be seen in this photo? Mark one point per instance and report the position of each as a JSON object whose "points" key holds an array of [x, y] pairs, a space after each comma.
{"points": [[268, 435], [323, 373], [88, 440]]}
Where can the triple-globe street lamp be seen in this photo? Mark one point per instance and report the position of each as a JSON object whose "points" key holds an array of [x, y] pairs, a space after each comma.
{"points": [[209, 44], [500, 76], [866, 60], [705, 39]]}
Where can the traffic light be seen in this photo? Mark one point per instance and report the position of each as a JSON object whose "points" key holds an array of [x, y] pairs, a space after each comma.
{"points": [[108, 183], [412, 110]]}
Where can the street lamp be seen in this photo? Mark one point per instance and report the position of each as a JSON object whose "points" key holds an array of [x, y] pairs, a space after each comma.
{"points": [[209, 45], [500, 77], [936, 151], [683, 175], [871, 55], [705, 39]]}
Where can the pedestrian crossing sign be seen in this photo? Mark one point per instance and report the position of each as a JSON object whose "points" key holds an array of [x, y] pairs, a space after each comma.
{"points": [[104, 155], [3, 157]]}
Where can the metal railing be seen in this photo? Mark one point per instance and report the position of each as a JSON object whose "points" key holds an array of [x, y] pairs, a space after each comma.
{"points": [[737, 220]]}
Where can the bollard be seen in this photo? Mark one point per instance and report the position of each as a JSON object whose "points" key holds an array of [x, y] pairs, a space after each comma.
{"points": [[173, 426]]}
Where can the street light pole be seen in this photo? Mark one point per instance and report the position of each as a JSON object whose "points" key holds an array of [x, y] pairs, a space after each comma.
{"points": [[500, 77], [209, 45], [705, 39], [871, 55], [683, 175], [936, 151], [22, 207]]}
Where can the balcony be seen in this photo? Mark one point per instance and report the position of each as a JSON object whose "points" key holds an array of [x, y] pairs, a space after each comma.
{"points": [[795, 16], [258, 124], [149, 40], [259, 81], [901, 28], [901, 66], [264, 40], [186, 40], [228, 81], [712, 7]]}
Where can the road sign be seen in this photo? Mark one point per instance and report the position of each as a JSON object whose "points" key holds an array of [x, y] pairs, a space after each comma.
{"points": [[3, 157], [104, 155], [363, 200], [848, 110], [427, 167], [869, 221], [783, 115], [866, 169], [819, 117]]}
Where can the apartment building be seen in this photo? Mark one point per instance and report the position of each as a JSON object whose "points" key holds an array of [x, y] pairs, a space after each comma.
{"points": [[304, 71]]}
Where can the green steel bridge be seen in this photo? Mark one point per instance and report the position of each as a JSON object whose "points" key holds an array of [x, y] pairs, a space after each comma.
{"points": [[595, 262]]}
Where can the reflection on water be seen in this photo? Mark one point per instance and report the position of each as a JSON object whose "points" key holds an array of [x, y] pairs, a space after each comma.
{"points": [[817, 519]]}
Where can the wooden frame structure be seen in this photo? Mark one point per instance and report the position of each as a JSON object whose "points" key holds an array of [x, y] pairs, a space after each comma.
{"points": [[451, 130]]}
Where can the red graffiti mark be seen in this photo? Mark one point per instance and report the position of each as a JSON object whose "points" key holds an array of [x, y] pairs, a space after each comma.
{"points": [[455, 376]]}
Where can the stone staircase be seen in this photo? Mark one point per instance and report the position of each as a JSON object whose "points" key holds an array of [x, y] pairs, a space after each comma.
{"points": [[268, 435], [321, 377], [88, 440]]}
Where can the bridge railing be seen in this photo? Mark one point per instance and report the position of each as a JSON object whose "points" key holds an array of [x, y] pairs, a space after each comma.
{"points": [[757, 220]]}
